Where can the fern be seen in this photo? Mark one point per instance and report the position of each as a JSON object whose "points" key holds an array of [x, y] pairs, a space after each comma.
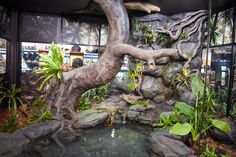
{"points": [[52, 65]]}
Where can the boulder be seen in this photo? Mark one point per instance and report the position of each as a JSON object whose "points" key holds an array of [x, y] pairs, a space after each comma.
{"points": [[151, 87], [132, 115], [188, 47], [12, 144], [137, 108], [156, 72], [113, 103], [196, 63], [90, 118], [149, 117], [159, 98], [227, 138], [170, 71], [164, 146], [38, 130], [121, 85], [188, 97]]}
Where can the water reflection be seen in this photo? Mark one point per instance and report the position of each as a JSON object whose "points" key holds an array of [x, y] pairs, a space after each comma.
{"points": [[119, 141]]}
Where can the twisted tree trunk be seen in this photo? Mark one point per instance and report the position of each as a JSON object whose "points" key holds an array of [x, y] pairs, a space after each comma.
{"points": [[63, 101]]}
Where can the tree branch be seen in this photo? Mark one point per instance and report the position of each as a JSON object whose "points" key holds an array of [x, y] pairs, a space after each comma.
{"points": [[142, 6], [147, 55]]}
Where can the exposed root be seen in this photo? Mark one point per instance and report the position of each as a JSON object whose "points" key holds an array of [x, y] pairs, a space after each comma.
{"points": [[54, 137], [188, 20], [175, 29]]}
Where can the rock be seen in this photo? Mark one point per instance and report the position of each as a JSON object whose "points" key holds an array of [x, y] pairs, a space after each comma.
{"points": [[113, 103], [132, 115], [90, 118], [163, 146], [188, 47], [149, 117], [161, 61], [12, 144], [159, 98], [196, 63], [137, 108], [165, 132], [227, 138], [156, 72], [38, 130], [65, 136], [122, 85], [151, 87], [168, 113], [188, 97], [170, 71], [170, 102]]}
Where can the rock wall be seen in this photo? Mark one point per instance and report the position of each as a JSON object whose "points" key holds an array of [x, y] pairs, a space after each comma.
{"points": [[157, 82]]}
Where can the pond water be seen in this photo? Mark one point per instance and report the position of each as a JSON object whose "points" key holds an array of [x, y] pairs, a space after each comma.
{"points": [[117, 141]]}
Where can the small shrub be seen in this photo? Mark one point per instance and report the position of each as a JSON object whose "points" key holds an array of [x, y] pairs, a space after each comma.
{"points": [[10, 126], [84, 104], [141, 103], [133, 76], [168, 120], [12, 97]]}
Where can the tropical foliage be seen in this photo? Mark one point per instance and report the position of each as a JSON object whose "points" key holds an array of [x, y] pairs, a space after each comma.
{"points": [[199, 119], [133, 76], [13, 98], [196, 120], [52, 65]]}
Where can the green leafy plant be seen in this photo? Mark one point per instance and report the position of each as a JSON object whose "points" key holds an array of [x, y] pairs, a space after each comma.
{"points": [[41, 114], [168, 120], [52, 65], [137, 25], [12, 96], [10, 126], [141, 103], [93, 95], [149, 35], [209, 152], [183, 78], [133, 76], [45, 115], [199, 119], [84, 104]]}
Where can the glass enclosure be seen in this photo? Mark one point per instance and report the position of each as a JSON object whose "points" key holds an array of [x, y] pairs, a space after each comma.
{"points": [[221, 58]]}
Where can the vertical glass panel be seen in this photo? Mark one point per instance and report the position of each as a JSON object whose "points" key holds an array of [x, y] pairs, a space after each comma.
{"points": [[94, 34], [3, 46], [228, 26], [218, 73], [104, 34], [4, 23], [44, 29], [219, 29], [70, 31], [84, 33]]}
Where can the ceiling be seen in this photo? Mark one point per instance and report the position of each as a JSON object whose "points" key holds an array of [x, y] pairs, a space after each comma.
{"points": [[168, 7]]}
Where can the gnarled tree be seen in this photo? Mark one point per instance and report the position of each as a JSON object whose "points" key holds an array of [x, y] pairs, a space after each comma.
{"points": [[65, 98], [63, 101]]}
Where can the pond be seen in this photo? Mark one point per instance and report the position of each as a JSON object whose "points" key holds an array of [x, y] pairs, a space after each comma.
{"points": [[128, 140]]}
